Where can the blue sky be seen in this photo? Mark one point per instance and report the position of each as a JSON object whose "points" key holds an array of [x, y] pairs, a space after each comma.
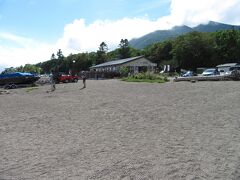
{"points": [[45, 19], [31, 30]]}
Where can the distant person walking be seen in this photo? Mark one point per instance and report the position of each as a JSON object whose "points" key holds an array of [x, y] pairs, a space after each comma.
{"points": [[84, 77], [52, 83]]}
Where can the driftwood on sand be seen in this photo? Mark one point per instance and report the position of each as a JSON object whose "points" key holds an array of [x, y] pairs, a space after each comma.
{"points": [[234, 76]]}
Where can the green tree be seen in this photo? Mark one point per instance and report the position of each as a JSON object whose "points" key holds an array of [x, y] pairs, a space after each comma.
{"points": [[193, 50], [9, 70], [124, 49], [26, 68], [60, 56], [31, 68], [83, 61], [46, 66], [20, 69], [135, 52], [227, 45], [53, 56], [58, 64], [159, 52], [103, 47], [102, 53]]}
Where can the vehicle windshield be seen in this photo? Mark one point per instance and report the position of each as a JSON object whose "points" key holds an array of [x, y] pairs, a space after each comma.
{"points": [[233, 68], [209, 70]]}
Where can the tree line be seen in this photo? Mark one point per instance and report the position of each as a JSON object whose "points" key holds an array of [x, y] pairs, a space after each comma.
{"points": [[197, 49], [189, 51]]}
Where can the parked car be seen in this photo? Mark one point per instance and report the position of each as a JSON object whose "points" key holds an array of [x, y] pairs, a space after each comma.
{"points": [[65, 78], [235, 74], [210, 72], [224, 69], [189, 74], [234, 68]]}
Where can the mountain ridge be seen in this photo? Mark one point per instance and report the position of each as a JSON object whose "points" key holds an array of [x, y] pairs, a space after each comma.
{"points": [[162, 35]]}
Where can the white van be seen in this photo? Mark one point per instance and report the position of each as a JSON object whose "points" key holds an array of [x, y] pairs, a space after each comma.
{"points": [[225, 68]]}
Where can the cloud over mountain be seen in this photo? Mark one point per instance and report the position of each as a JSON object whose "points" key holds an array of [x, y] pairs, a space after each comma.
{"points": [[82, 37], [192, 13], [78, 36]]}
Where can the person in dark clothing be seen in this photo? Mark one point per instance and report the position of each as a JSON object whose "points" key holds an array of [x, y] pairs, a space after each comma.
{"points": [[52, 82], [84, 77]]}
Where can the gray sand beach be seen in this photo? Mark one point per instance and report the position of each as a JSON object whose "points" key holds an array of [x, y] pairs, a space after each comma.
{"points": [[119, 130]]}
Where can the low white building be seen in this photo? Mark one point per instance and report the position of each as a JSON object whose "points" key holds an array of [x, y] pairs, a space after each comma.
{"points": [[135, 65]]}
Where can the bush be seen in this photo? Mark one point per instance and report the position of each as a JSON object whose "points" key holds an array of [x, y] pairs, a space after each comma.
{"points": [[147, 77], [124, 71]]}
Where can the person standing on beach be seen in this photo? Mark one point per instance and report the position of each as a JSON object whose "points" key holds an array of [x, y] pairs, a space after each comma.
{"points": [[52, 81], [84, 77]]}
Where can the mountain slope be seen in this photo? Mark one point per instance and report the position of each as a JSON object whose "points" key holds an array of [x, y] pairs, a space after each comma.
{"points": [[214, 26], [158, 36], [162, 35]]}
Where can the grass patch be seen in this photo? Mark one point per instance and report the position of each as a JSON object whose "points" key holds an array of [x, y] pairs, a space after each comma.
{"points": [[31, 89], [143, 80], [146, 77]]}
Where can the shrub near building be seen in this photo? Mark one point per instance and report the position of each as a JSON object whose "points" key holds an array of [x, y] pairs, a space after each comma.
{"points": [[146, 77]]}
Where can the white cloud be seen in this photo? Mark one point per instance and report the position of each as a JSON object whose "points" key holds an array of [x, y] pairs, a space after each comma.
{"points": [[25, 50], [193, 12], [80, 37], [22, 41]]}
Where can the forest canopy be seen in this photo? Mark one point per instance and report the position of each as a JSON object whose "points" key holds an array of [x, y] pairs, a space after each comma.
{"points": [[189, 51]]}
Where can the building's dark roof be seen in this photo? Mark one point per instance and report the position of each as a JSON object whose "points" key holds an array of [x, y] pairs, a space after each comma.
{"points": [[117, 62]]}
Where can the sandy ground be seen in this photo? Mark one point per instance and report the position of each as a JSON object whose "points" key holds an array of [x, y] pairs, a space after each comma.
{"points": [[119, 130]]}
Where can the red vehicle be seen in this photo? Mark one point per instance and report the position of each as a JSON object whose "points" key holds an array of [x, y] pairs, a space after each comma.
{"points": [[65, 78]]}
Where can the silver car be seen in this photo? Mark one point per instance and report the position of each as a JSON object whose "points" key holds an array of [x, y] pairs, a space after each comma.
{"points": [[210, 72]]}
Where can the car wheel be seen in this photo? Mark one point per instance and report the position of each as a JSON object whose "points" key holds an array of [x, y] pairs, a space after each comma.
{"points": [[8, 86], [13, 86], [75, 80]]}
